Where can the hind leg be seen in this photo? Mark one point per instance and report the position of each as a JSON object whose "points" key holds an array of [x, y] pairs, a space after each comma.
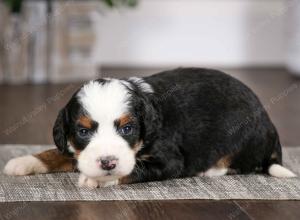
{"points": [[45, 162], [220, 168], [274, 166]]}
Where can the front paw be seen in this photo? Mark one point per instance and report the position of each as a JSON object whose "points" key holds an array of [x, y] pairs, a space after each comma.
{"points": [[24, 166], [85, 181]]}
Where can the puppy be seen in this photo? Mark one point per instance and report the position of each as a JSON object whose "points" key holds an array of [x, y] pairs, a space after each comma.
{"points": [[179, 123]]}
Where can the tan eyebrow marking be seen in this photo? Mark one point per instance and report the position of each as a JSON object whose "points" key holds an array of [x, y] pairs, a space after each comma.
{"points": [[85, 122], [123, 120]]}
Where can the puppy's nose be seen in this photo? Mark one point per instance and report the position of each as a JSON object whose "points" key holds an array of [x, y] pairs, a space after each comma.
{"points": [[108, 162]]}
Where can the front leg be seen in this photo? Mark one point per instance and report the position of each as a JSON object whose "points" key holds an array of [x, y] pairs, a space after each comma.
{"points": [[46, 162], [144, 171]]}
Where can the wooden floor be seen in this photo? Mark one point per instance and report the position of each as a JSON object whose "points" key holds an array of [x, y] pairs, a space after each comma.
{"points": [[27, 114]]}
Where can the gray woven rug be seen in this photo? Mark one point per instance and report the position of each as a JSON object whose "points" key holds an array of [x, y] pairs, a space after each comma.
{"points": [[63, 186]]}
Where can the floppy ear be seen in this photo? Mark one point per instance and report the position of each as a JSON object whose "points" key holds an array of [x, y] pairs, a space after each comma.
{"points": [[60, 132], [150, 116]]}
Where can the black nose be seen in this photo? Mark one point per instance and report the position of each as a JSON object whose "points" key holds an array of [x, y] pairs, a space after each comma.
{"points": [[108, 163]]}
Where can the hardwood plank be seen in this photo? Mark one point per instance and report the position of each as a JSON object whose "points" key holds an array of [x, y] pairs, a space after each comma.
{"points": [[275, 210], [181, 209]]}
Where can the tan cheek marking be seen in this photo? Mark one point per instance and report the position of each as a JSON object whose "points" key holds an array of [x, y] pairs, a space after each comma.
{"points": [[85, 122], [77, 152], [138, 146], [124, 120], [145, 157], [125, 180]]}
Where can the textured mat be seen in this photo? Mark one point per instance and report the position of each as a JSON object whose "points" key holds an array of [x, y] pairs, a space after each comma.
{"points": [[63, 186]]}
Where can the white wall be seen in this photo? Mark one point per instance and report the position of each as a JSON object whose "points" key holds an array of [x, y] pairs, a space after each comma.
{"points": [[195, 32]]}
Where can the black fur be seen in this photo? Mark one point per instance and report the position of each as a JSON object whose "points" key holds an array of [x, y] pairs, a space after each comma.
{"points": [[194, 118], [203, 115], [60, 130]]}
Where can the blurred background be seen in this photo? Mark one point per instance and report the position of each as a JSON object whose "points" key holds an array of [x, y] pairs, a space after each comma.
{"points": [[70, 40], [48, 48]]}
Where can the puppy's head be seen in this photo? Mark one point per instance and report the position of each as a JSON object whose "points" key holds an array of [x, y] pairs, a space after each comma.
{"points": [[104, 125]]}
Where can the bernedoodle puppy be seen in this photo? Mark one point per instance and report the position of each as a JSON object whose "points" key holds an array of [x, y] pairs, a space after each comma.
{"points": [[179, 123]]}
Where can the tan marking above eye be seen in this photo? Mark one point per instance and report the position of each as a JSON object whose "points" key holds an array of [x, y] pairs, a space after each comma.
{"points": [[125, 119], [125, 180], [85, 122]]}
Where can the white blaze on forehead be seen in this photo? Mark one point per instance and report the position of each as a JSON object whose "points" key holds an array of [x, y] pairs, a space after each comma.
{"points": [[106, 101]]}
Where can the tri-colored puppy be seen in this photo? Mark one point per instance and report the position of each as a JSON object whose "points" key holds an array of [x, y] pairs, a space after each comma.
{"points": [[179, 123]]}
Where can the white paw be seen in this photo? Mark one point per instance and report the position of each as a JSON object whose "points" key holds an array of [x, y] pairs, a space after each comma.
{"points": [[212, 172], [24, 166], [109, 183], [201, 174], [85, 181]]}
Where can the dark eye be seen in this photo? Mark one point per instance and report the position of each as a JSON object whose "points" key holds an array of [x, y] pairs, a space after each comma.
{"points": [[83, 132], [126, 130]]}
